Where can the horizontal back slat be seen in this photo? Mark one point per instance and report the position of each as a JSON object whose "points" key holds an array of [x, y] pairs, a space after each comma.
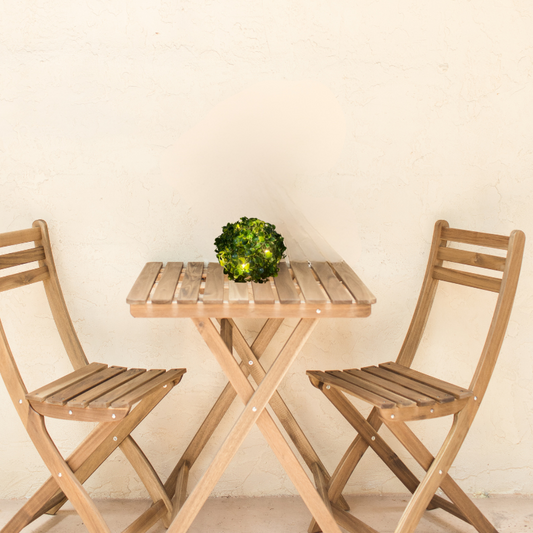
{"points": [[471, 258], [20, 237], [472, 237], [466, 278], [21, 258], [23, 278]]}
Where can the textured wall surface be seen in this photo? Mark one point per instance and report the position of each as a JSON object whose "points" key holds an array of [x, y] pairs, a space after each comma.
{"points": [[138, 128]]}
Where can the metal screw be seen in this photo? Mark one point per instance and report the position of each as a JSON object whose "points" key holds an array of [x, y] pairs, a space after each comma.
{"points": [[250, 363], [254, 409], [70, 412], [373, 438], [318, 311], [113, 415], [115, 439], [165, 386], [431, 410], [475, 398], [59, 475], [328, 387], [440, 472], [392, 416], [20, 401]]}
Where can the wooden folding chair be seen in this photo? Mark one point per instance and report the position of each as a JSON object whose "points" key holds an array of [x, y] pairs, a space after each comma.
{"points": [[115, 397], [400, 394]]}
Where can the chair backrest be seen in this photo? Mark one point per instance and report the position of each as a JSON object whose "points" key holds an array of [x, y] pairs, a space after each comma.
{"points": [[481, 267], [37, 264]]}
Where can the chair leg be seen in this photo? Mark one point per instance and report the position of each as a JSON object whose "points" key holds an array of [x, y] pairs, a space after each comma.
{"points": [[64, 476], [436, 473], [421, 454]]}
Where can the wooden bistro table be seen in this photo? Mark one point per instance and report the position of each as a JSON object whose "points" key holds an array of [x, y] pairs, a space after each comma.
{"points": [[202, 293]]}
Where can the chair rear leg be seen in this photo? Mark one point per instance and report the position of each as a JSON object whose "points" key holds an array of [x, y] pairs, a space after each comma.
{"points": [[64, 476]]}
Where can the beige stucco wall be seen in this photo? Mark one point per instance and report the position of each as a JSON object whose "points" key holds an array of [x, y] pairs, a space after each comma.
{"points": [[138, 128]]}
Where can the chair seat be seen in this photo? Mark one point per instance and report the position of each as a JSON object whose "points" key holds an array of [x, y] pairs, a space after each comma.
{"points": [[98, 393], [399, 392]]}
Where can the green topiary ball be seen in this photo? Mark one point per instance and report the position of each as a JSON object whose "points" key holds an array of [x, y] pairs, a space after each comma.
{"points": [[250, 250]]}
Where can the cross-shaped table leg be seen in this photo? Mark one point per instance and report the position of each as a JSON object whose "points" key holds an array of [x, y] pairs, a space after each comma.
{"points": [[254, 412]]}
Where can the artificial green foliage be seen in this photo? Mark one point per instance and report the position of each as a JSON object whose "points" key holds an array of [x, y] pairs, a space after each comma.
{"points": [[250, 250]]}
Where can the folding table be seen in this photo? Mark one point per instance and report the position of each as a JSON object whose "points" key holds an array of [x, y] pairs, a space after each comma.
{"points": [[302, 290]]}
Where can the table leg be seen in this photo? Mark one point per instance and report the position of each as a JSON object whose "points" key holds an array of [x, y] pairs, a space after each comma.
{"points": [[254, 413]]}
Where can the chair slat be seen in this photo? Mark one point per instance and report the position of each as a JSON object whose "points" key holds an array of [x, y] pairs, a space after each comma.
{"points": [[214, 284], [307, 282], [464, 257], [164, 292], [454, 390], [328, 379], [354, 379], [287, 293], [426, 390], [335, 289], [161, 380], [23, 278], [112, 396], [477, 281], [263, 293], [87, 397], [21, 258], [20, 237], [417, 397], [143, 285], [473, 237], [238, 293], [190, 286], [44, 392], [359, 290], [64, 395]]}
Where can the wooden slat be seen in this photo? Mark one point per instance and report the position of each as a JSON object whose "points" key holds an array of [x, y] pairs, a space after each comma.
{"points": [[21, 236], [22, 257], [328, 379], [162, 380], [472, 237], [464, 257], [64, 395], [112, 396], [63, 412], [336, 291], [143, 285], [352, 378], [83, 400], [214, 284], [287, 293], [238, 292], [417, 397], [24, 278], [190, 286], [477, 281], [44, 392], [263, 293], [431, 392], [454, 390], [164, 292], [308, 284], [359, 290]]}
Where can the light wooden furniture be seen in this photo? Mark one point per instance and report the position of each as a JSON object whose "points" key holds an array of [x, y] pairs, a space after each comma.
{"points": [[116, 398], [302, 290], [400, 394]]}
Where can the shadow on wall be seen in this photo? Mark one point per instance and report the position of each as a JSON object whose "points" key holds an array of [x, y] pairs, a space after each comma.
{"points": [[243, 158]]}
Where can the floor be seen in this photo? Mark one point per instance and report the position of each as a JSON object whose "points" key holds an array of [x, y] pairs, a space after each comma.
{"points": [[509, 514]]}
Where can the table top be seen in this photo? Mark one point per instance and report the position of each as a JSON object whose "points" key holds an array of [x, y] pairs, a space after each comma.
{"points": [[301, 290]]}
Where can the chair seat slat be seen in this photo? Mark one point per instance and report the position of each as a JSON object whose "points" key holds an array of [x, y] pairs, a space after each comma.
{"points": [[166, 287], [64, 395], [41, 394], [431, 392], [417, 397], [139, 392], [107, 399], [21, 258], [143, 284], [449, 388], [477, 281]]}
